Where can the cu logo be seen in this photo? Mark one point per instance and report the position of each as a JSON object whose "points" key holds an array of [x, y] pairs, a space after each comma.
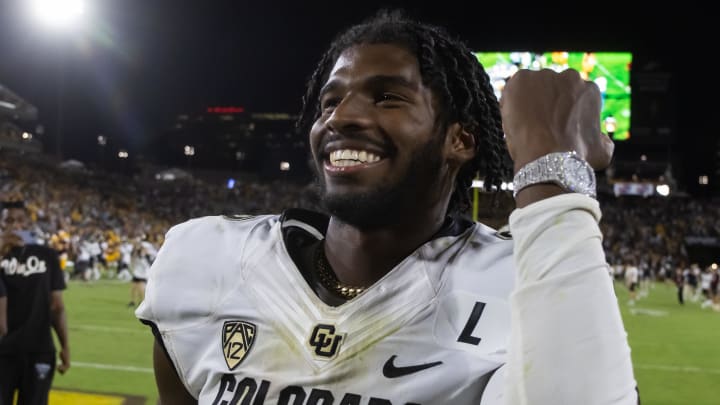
{"points": [[325, 341]]}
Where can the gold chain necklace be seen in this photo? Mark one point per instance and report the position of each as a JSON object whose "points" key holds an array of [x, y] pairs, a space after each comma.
{"points": [[328, 278]]}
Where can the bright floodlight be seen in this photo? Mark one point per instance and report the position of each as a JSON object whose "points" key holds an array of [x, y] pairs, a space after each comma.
{"points": [[58, 12], [663, 189]]}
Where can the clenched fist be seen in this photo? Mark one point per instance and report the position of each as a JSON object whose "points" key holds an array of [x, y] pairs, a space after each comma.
{"points": [[545, 111]]}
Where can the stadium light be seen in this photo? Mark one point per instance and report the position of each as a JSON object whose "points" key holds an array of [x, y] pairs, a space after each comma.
{"points": [[663, 190], [503, 186], [58, 13]]}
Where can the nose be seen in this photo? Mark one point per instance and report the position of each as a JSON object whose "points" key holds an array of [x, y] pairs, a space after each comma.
{"points": [[352, 113]]}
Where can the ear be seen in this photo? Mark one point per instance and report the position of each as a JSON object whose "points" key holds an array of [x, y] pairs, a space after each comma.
{"points": [[459, 144]]}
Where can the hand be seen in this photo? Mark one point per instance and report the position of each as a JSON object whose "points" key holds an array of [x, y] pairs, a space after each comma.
{"points": [[64, 360], [544, 111]]}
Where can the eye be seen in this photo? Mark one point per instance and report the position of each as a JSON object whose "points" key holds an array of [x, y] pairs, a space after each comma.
{"points": [[329, 103], [389, 99]]}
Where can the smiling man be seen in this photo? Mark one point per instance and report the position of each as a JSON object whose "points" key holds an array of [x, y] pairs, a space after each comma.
{"points": [[392, 296]]}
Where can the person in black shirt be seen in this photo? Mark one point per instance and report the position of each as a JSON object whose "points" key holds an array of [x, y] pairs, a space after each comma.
{"points": [[3, 311], [31, 283]]}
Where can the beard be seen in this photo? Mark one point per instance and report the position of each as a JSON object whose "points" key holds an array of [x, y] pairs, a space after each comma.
{"points": [[388, 202]]}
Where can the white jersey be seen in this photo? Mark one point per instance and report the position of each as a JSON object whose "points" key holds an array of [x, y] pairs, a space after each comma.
{"points": [[94, 248], [632, 274], [241, 325], [84, 252], [142, 260], [705, 280], [126, 249]]}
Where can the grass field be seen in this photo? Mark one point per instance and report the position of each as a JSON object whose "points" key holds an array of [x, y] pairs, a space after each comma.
{"points": [[111, 350], [675, 349]]}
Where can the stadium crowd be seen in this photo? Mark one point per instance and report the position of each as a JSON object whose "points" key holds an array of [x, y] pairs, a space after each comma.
{"points": [[652, 235], [96, 219]]}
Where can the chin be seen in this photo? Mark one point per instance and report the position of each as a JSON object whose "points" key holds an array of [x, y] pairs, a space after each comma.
{"points": [[365, 210]]}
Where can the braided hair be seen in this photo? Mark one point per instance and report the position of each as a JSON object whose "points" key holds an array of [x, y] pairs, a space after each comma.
{"points": [[455, 76]]}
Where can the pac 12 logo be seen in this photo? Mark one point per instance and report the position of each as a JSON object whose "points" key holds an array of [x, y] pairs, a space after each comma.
{"points": [[237, 340]]}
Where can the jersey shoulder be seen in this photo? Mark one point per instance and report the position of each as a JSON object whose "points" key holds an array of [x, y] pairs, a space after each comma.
{"points": [[484, 265], [490, 244], [199, 262]]}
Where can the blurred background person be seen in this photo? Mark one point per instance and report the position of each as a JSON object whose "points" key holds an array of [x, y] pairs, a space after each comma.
{"points": [[680, 284], [632, 276], [142, 258], [31, 282]]}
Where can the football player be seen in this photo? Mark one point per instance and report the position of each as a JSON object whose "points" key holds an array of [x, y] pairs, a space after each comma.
{"points": [[392, 296]]}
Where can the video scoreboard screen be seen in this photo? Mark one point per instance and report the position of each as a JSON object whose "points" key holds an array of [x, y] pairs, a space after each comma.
{"points": [[609, 70]]}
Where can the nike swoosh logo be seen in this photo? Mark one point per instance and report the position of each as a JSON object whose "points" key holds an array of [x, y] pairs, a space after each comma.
{"points": [[390, 370]]}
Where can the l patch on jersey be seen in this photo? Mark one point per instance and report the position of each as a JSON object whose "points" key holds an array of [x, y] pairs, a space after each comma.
{"points": [[237, 340]]}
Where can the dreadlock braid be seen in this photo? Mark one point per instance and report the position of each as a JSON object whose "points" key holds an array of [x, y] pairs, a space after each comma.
{"points": [[457, 79]]}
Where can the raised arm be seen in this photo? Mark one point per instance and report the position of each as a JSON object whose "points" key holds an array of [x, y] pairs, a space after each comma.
{"points": [[568, 343]]}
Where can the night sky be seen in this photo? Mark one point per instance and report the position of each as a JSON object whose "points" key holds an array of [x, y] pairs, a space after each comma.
{"points": [[135, 64]]}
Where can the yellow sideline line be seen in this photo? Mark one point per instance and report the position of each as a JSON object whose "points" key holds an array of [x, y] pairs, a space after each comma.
{"points": [[74, 398]]}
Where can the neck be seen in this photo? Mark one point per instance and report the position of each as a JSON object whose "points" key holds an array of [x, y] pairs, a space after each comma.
{"points": [[361, 257]]}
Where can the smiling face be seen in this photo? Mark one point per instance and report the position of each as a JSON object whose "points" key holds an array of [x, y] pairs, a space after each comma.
{"points": [[377, 145]]}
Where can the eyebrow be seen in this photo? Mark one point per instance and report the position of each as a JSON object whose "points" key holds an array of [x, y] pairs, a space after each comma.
{"points": [[388, 80], [328, 87], [373, 82]]}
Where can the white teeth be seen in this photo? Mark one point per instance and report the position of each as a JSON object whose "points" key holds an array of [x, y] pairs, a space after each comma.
{"points": [[351, 157]]}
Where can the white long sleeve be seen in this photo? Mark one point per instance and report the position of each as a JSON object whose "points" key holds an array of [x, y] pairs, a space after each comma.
{"points": [[568, 343]]}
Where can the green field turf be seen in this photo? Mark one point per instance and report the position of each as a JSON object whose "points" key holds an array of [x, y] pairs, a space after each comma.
{"points": [[111, 350], [675, 349]]}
